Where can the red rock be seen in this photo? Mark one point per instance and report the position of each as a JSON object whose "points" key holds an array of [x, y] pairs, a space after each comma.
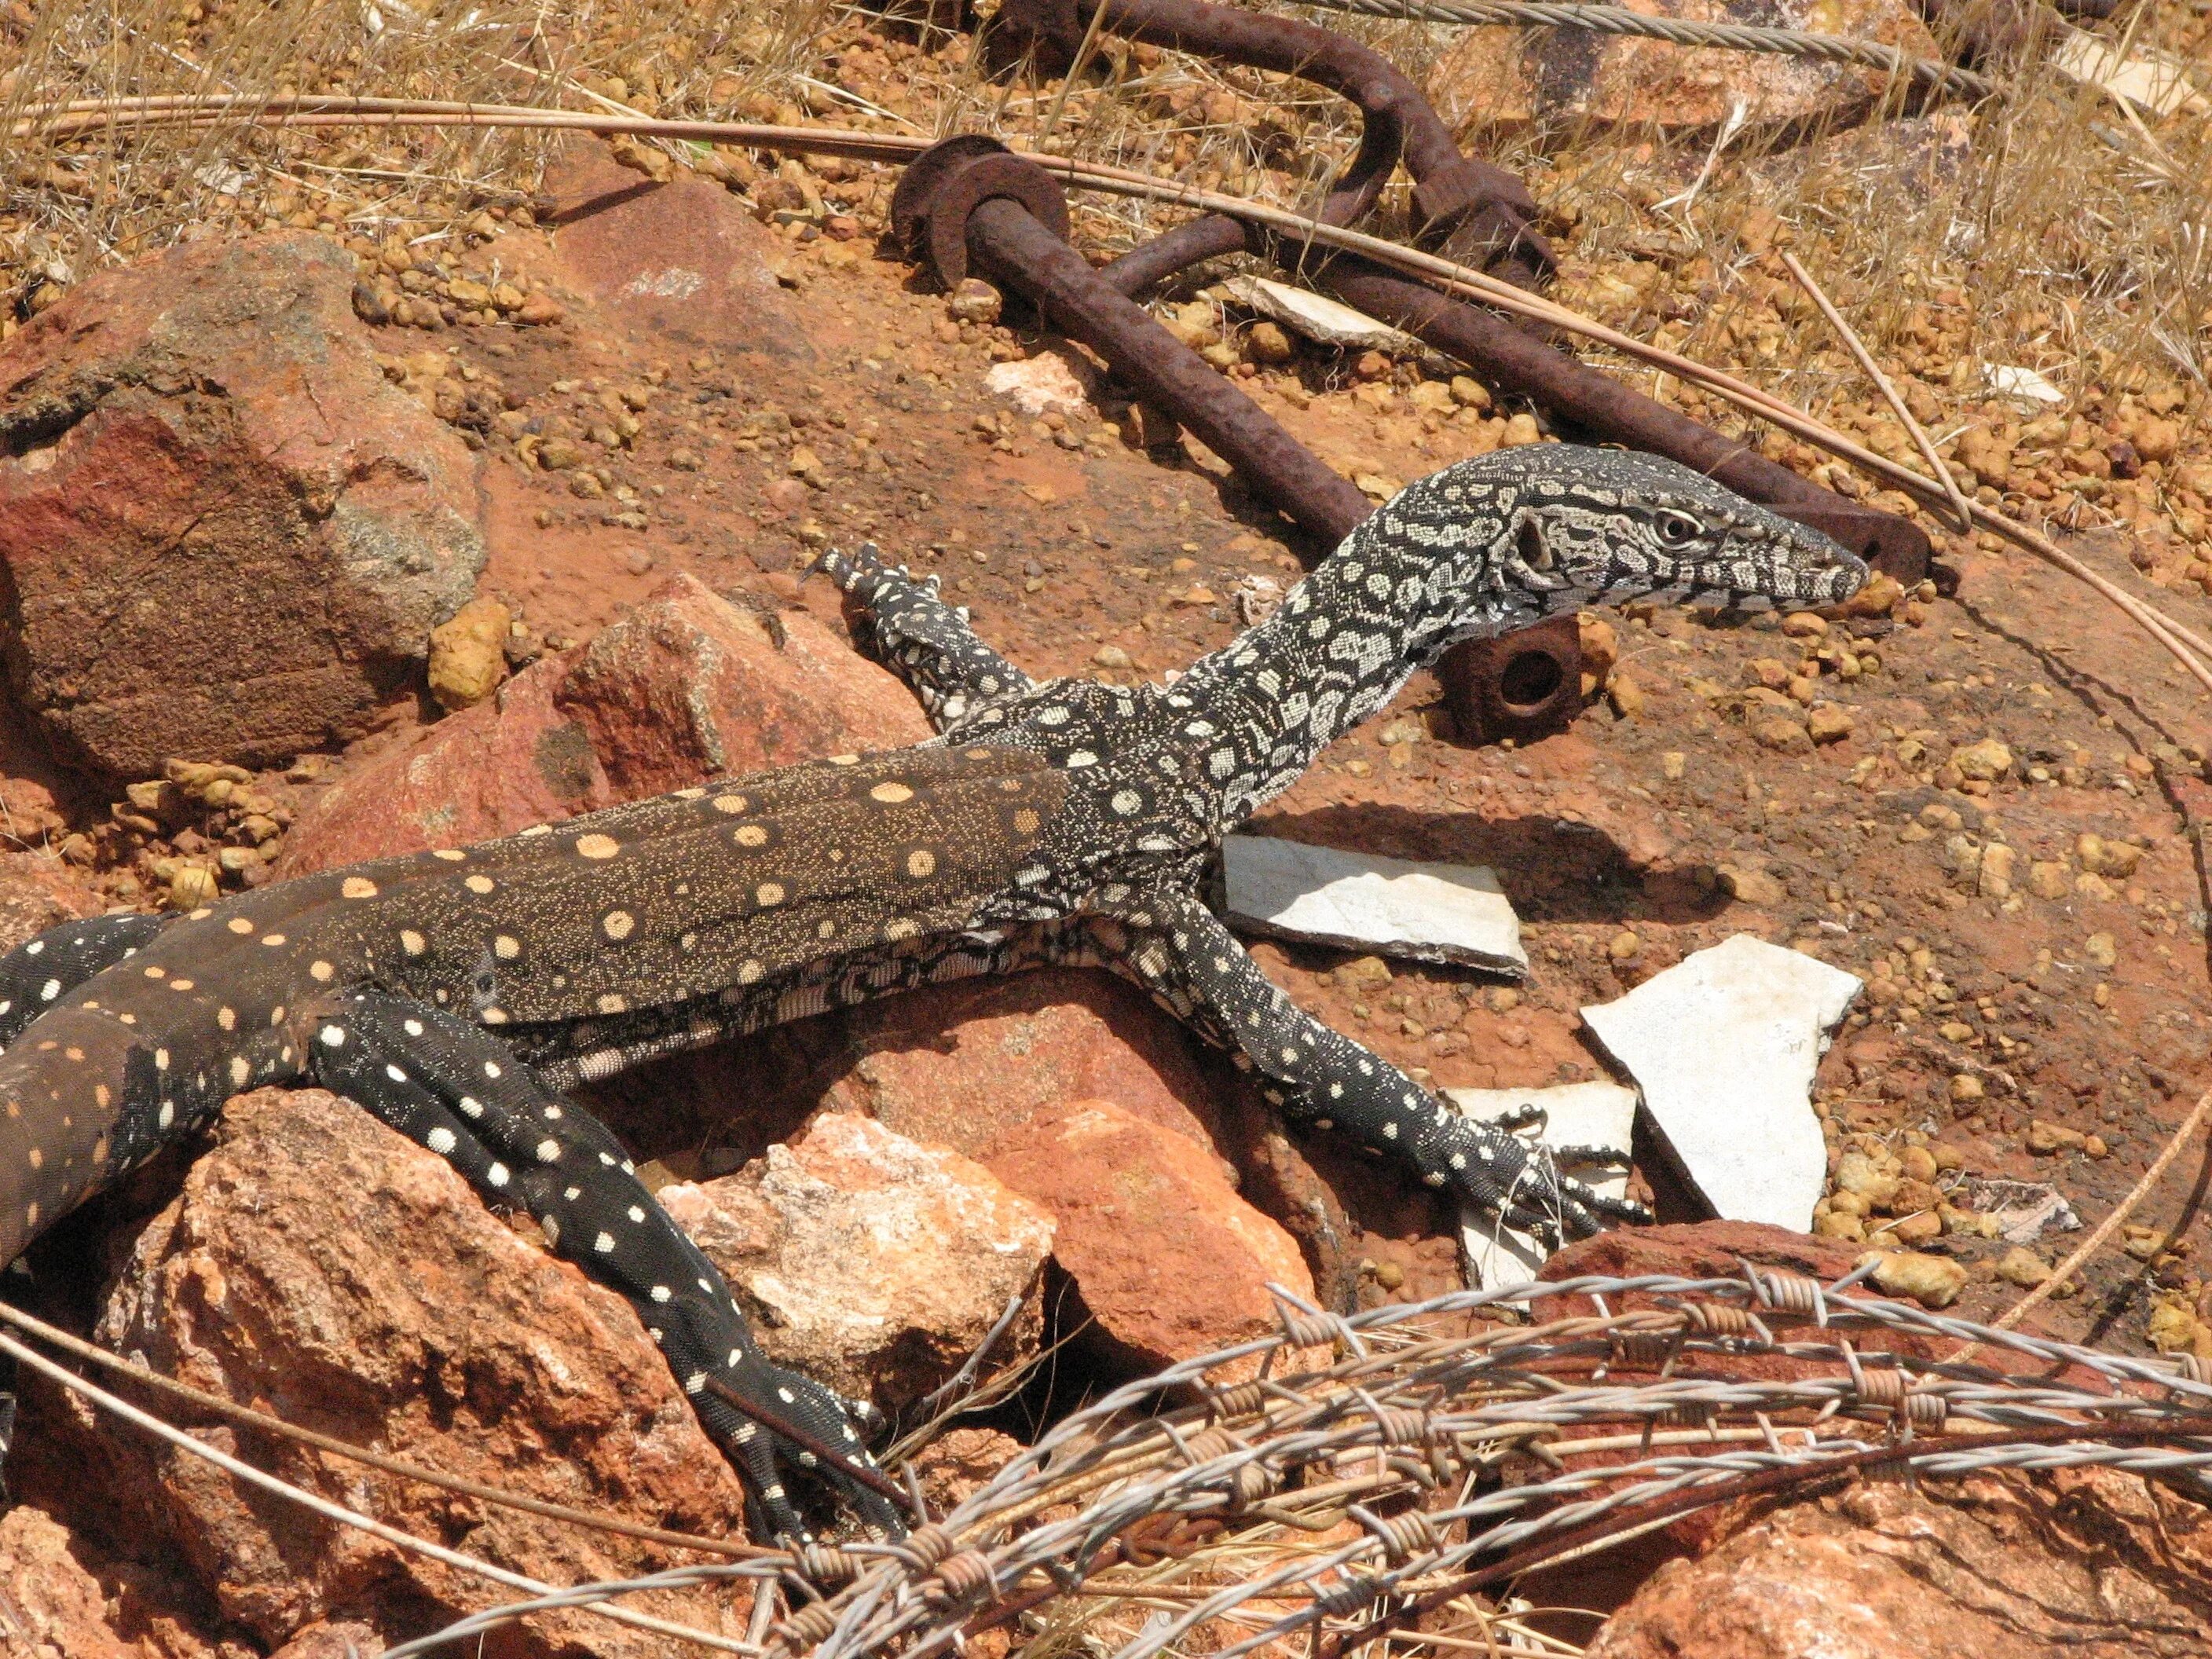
{"points": [[30, 818], [319, 1265], [686, 687], [50, 1607], [229, 537], [2089, 1564], [1700, 1249], [340, 1641], [966, 1064], [682, 262], [689, 687], [871, 1263], [1165, 1258], [1718, 1249], [38, 892], [1497, 80]]}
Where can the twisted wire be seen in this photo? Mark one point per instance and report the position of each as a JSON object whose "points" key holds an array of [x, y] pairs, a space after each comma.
{"points": [[1681, 32], [1320, 1453]]}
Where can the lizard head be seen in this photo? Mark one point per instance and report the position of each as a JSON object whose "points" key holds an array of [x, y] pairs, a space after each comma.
{"points": [[1577, 527]]}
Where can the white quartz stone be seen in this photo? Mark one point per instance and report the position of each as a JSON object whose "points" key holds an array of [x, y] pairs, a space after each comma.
{"points": [[1499, 1257], [1362, 901], [1723, 1046]]}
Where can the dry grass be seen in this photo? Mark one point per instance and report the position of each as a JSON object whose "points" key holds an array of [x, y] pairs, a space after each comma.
{"points": [[2044, 230]]}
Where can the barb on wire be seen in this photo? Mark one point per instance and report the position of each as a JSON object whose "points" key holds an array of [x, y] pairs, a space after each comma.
{"points": [[1388, 1436]]}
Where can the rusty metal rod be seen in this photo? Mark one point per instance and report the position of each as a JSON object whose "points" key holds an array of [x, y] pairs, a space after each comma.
{"points": [[1481, 213], [1603, 409], [1008, 241]]}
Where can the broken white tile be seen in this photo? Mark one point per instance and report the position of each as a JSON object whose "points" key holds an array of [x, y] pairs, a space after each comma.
{"points": [[1574, 1115], [1036, 385], [1363, 901], [1723, 1046], [1323, 320], [2023, 1210]]}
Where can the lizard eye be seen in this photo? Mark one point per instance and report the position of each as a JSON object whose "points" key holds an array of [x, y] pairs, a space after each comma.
{"points": [[1677, 529]]}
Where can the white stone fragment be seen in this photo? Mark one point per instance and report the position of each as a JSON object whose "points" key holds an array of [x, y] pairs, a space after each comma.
{"points": [[1723, 1045], [2023, 1210], [1036, 385], [2023, 384], [1600, 1113], [1325, 321], [2156, 82], [1363, 901]]}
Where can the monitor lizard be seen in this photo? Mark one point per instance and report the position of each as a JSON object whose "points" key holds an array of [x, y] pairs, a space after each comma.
{"points": [[454, 993]]}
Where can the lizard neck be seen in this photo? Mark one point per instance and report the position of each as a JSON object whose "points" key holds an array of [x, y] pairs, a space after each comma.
{"points": [[1400, 588]]}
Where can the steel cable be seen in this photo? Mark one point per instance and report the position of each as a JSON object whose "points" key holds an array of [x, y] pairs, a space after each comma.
{"points": [[1681, 32]]}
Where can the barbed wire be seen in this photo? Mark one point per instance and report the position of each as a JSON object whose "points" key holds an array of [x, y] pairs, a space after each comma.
{"points": [[1681, 32], [1418, 1453]]}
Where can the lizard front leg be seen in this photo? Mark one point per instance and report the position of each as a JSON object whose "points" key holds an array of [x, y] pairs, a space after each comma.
{"points": [[447, 1086], [1180, 952], [929, 642], [37, 972]]}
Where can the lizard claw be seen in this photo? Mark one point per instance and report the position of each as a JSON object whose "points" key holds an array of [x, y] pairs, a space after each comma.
{"points": [[1522, 1185], [772, 1395]]}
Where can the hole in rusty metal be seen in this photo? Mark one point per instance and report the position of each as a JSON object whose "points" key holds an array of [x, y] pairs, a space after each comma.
{"points": [[1530, 679]]}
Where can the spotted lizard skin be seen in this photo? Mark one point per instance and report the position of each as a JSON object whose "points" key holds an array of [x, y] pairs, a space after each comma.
{"points": [[454, 993]]}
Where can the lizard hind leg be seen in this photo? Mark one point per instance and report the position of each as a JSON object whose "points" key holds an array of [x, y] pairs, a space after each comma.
{"points": [[39, 972], [957, 675], [449, 1086]]}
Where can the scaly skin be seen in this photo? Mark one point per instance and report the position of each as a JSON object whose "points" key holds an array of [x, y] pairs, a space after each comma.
{"points": [[453, 994]]}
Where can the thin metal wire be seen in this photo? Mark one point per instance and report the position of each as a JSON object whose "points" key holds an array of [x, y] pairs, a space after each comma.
{"points": [[1335, 1441], [1681, 32]]}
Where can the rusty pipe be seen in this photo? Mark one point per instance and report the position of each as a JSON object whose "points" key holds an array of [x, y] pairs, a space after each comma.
{"points": [[1026, 256], [1602, 409], [1480, 214], [970, 197]]}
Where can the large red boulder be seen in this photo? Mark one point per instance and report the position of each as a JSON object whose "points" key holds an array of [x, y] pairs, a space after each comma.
{"points": [[227, 535], [687, 688], [318, 1265]]}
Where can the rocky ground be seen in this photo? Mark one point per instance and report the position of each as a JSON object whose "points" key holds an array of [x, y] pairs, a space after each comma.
{"points": [[594, 442]]}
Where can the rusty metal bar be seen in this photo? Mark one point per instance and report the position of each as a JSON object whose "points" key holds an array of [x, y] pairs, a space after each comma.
{"points": [[1603, 410], [1278, 468], [1481, 213], [1473, 211], [970, 196]]}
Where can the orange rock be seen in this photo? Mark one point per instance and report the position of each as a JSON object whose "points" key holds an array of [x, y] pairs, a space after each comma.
{"points": [[686, 687], [1166, 1258], [2086, 1563], [318, 1264], [37, 893], [967, 1065], [49, 1604]]}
